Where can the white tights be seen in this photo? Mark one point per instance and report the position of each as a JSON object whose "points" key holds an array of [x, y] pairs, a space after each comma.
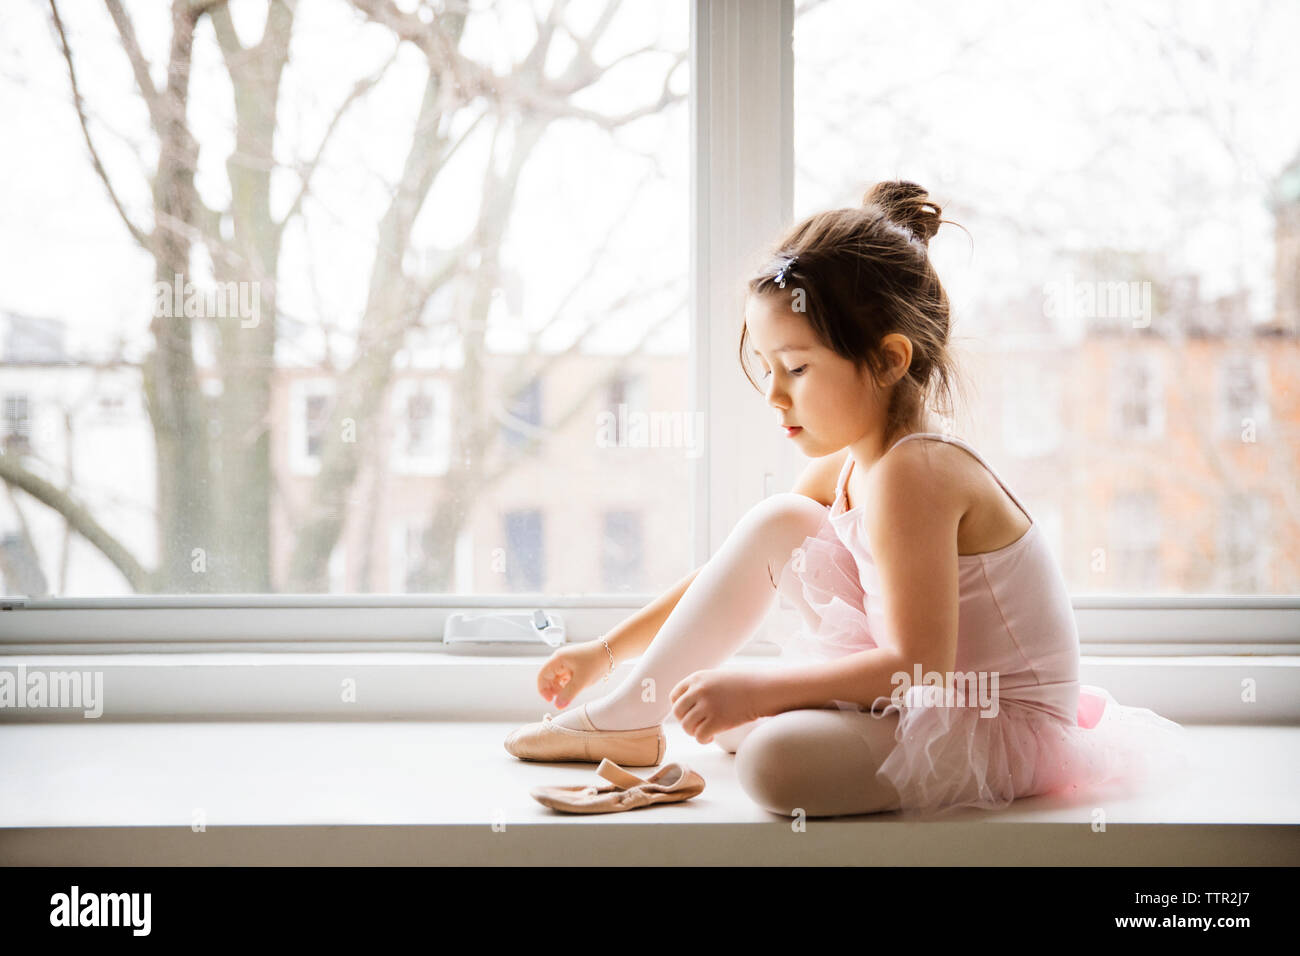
{"points": [[821, 761]]}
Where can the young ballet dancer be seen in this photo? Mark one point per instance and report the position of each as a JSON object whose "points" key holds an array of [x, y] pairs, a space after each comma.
{"points": [[938, 662]]}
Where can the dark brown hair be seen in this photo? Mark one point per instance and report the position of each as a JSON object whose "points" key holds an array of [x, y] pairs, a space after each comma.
{"points": [[860, 274]]}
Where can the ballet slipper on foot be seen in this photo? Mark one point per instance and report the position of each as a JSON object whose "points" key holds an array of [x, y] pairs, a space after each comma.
{"points": [[547, 740], [671, 783]]}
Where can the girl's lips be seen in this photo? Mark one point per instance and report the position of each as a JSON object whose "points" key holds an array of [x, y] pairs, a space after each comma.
{"points": [[792, 430]]}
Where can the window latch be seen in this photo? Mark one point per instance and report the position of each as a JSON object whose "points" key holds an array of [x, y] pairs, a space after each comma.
{"points": [[504, 627]]}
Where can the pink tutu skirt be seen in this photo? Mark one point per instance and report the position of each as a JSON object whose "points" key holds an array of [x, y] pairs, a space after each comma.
{"points": [[948, 756]]}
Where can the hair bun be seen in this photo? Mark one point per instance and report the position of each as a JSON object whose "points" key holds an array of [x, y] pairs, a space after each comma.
{"points": [[908, 205]]}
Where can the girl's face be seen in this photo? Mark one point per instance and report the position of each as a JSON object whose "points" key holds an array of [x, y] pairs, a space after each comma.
{"points": [[808, 384]]}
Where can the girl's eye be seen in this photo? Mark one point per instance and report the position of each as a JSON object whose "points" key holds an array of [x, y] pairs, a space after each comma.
{"points": [[793, 371]]}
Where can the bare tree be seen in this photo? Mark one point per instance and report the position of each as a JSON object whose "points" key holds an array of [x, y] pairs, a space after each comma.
{"points": [[213, 454]]}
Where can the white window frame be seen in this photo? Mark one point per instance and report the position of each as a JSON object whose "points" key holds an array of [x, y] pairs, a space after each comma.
{"points": [[741, 193]]}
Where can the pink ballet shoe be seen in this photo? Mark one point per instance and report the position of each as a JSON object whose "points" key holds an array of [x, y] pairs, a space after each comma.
{"points": [[547, 740], [672, 783]]}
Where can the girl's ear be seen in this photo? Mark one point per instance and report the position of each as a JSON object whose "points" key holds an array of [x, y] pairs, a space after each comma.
{"points": [[898, 354]]}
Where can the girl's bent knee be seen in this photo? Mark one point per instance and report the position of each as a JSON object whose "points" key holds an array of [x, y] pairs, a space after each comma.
{"points": [[790, 506], [767, 767], [814, 762], [777, 525]]}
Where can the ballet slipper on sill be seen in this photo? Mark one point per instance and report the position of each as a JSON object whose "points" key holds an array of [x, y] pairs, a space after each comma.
{"points": [[549, 741], [671, 783]]}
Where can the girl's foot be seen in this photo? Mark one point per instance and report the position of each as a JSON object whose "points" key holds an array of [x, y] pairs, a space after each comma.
{"points": [[601, 717], [549, 740]]}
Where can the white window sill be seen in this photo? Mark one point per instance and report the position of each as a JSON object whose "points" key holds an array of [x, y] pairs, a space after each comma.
{"points": [[427, 792], [444, 686]]}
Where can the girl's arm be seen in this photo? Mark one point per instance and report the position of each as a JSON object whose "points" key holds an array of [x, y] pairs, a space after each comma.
{"points": [[630, 638], [911, 519]]}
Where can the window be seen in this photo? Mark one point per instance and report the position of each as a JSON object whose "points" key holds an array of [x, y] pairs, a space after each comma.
{"points": [[1153, 272], [450, 265], [1242, 405], [17, 424], [18, 563], [1138, 410], [421, 417], [541, 243], [309, 417], [522, 417], [625, 395], [112, 407]]}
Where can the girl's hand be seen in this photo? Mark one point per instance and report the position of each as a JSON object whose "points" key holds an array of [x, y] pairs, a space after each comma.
{"points": [[710, 701], [570, 669]]}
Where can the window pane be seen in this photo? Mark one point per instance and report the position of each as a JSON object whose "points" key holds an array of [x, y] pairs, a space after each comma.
{"points": [[1125, 306], [624, 556], [372, 347]]}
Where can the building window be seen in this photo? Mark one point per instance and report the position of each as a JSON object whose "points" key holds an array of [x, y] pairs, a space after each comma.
{"points": [[1138, 411], [112, 407], [1241, 397], [421, 415], [524, 554], [621, 551], [17, 424], [522, 416], [310, 409], [624, 394], [317, 413], [419, 424]]}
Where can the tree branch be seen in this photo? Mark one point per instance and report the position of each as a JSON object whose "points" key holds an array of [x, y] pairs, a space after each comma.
{"points": [[144, 239], [139, 65], [79, 518], [362, 87]]}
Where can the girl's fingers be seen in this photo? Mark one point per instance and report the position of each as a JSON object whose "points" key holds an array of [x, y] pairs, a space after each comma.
{"points": [[682, 706], [552, 679], [681, 687], [690, 719]]}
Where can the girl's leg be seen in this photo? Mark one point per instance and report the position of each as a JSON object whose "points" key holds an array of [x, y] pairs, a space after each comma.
{"points": [[821, 761], [716, 615]]}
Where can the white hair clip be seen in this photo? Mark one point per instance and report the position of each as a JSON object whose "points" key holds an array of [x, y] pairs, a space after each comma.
{"points": [[781, 273]]}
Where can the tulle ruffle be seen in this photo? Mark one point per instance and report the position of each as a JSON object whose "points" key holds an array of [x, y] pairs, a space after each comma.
{"points": [[821, 581], [952, 757]]}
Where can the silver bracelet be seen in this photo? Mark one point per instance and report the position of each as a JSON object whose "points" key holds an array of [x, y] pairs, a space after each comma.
{"points": [[611, 658]]}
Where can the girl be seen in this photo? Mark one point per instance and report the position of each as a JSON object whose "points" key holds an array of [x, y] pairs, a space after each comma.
{"points": [[938, 662]]}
